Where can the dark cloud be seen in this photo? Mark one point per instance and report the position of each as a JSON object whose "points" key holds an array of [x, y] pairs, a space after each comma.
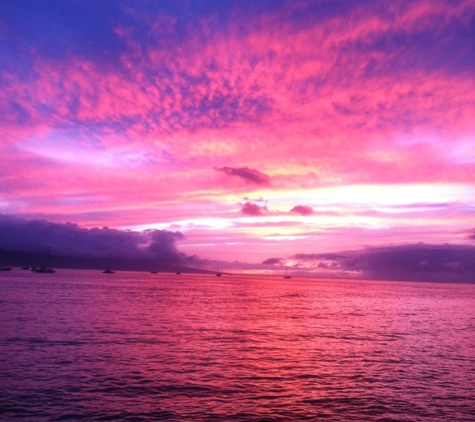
{"points": [[247, 174], [163, 245], [302, 209], [403, 262], [326, 266], [414, 258], [250, 208], [38, 236], [317, 256], [471, 234], [273, 261]]}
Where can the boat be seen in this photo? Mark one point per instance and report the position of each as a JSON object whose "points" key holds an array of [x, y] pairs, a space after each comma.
{"points": [[218, 273], [43, 270], [3, 268], [108, 269], [286, 275]]}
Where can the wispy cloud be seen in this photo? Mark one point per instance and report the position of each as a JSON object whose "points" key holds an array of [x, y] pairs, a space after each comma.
{"points": [[246, 174], [273, 261]]}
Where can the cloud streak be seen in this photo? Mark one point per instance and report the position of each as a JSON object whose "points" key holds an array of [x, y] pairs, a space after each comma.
{"points": [[273, 261], [248, 175]]}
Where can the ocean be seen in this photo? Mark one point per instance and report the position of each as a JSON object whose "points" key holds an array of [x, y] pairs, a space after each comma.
{"points": [[130, 346]]}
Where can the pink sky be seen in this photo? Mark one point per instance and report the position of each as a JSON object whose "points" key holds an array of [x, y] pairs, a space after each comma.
{"points": [[256, 130]]}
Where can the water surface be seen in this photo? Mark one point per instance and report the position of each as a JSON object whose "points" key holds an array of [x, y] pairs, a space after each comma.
{"points": [[82, 345]]}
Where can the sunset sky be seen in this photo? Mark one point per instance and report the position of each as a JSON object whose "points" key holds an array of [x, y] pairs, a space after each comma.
{"points": [[253, 131]]}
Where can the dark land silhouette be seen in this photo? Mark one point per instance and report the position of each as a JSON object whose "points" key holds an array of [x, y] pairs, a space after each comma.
{"points": [[30, 259]]}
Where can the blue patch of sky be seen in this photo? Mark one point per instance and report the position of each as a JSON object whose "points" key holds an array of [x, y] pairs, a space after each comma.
{"points": [[20, 115], [58, 29], [78, 135], [459, 47], [439, 48]]}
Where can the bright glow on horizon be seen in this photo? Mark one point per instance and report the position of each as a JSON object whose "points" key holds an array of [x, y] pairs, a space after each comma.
{"points": [[378, 195]]}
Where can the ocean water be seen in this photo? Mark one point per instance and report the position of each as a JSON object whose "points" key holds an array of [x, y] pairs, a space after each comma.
{"points": [[82, 345]]}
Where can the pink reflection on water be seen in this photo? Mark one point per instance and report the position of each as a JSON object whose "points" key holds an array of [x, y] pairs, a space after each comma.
{"points": [[241, 347]]}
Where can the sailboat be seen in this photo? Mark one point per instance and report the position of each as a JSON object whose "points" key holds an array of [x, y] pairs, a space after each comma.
{"points": [[108, 269], [45, 269], [286, 275], [218, 274]]}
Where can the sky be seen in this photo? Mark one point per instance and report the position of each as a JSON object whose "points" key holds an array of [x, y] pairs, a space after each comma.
{"points": [[258, 134]]}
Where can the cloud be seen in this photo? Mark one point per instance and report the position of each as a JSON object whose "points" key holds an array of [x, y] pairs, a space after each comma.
{"points": [[414, 258], [246, 174], [39, 236], [273, 261], [454, 265], [316, 256], [163, 245], [471, 234], [414, 261], [302, 209], [250, 208]]}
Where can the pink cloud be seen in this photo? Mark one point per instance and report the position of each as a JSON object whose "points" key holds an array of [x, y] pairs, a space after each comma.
{"points": [[250, 208], [302, 209]]}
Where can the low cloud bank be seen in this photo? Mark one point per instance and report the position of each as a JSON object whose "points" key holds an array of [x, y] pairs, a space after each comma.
{"points": [[41, 237], [406, 262]]}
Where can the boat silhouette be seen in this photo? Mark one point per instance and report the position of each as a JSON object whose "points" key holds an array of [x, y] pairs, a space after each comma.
{"points": [[43, 270], [108, 269]]}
